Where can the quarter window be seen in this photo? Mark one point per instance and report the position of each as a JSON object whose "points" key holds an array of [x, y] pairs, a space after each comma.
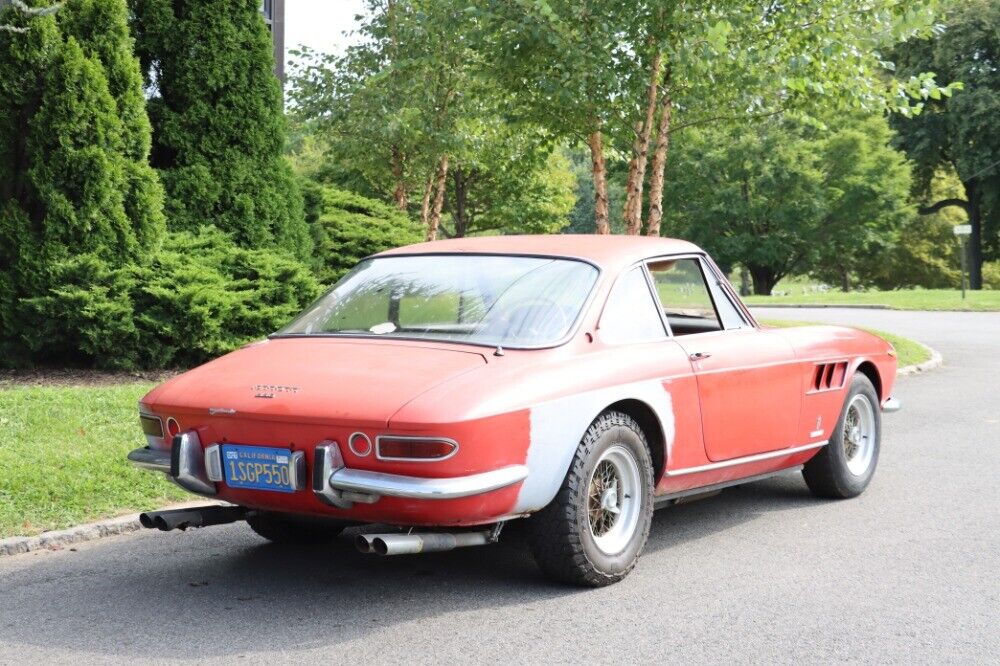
{"points": [[630, 313], [684, 296]]}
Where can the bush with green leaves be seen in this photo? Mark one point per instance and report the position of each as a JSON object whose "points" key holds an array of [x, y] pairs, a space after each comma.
{"points": [[75, 184], [199, 296], [351, 227], [218, 122]]}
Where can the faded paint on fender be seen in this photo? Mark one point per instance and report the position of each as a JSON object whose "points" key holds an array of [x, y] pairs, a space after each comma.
{"points": [[558, 426]]}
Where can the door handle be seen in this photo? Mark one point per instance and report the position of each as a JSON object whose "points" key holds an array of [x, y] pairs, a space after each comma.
{"points": [[698, 356]]}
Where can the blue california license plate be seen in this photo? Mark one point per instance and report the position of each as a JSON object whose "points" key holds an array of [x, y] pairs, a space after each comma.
{"points": [[257, 467]]}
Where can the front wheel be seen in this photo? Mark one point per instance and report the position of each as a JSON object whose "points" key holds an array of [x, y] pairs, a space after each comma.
{"points": [[594, 530], [845, 466]]}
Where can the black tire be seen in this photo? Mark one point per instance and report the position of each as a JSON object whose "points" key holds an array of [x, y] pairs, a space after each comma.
{"points": [[560, 535], [828, 474], [290, 529]]}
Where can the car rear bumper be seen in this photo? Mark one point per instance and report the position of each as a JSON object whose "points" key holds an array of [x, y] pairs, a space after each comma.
{"points": [[195, 468], [892, 405]]}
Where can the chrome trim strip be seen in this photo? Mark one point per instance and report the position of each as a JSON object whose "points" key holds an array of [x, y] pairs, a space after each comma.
{"points": [[414, 487], [892, 405], [757, 457], [155, 460], [411, 438]]}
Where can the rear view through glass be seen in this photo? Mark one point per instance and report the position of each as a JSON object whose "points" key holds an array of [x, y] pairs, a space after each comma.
{"points": [[511, 301]]}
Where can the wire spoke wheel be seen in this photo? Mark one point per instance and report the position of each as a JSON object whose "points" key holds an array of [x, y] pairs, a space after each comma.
{"points": [[859, 434], [613, 499]]}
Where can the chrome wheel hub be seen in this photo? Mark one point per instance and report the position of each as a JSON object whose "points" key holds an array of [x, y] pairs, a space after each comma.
{"points": [[613, 499], [859, 434]]}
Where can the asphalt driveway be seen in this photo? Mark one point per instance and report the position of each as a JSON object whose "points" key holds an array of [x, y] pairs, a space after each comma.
{"points": [[907, 573]]}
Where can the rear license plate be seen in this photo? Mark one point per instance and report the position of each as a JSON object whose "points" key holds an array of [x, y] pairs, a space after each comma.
{"points": [[257, 467]]}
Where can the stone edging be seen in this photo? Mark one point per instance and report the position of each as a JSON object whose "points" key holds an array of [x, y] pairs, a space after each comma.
{"points": [[934, 361], [60, 539]]}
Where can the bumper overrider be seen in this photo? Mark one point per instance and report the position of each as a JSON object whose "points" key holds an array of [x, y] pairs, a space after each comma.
{"points": [[198, 469]]}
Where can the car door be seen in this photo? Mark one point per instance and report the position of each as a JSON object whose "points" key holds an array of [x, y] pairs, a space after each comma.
{"points": [[747, 385]]}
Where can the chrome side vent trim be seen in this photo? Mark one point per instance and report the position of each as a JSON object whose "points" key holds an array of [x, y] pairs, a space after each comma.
{"points": [[828, 376]]}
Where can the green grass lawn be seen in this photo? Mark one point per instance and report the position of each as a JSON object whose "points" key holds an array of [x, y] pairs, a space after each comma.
{"points": [[909, 352], [905, 299], [62, 457]]}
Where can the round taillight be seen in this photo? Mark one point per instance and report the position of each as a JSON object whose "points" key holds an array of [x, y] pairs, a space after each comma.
{"points": [[173, 427], [360, 444]]}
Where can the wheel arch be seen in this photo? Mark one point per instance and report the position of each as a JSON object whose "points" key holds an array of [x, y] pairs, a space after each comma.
{"points": [[647, 419], [869, 370]]}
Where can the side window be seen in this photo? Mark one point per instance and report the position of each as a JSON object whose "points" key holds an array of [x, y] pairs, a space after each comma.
{"points": [[684, 296], [630, 313], [728, 312]]}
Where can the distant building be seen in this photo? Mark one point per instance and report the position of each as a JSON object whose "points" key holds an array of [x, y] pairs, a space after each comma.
{"points": [[274, 17]]}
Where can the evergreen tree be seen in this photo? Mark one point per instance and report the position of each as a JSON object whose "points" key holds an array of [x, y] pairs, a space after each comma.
{"points": [[218, 126], [74, 181]]}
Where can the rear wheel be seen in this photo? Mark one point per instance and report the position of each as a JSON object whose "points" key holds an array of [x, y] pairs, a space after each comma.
{"points": [[845, 466], [594, 530], [287, 528]]}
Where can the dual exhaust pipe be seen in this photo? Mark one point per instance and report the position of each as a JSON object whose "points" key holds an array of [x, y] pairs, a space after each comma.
{"points": [[426, 542], [380, 544]]}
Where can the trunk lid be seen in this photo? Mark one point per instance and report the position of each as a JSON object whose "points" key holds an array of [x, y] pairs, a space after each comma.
{"points": [[328, 380]]}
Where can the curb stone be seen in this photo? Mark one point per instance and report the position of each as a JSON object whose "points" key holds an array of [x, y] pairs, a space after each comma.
{"points": [[934, 361], [60, 539]]}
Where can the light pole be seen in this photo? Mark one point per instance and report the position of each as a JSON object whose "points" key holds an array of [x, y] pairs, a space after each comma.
{"points": [[962, 231]]}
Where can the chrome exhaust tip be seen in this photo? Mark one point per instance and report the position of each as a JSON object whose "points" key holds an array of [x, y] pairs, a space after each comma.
{"points": [[426, 542]]}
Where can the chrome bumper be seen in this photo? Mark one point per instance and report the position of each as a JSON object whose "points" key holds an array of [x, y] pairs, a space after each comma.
{"points": [[197, 469], [892, 405], [184, 463], [341, 486]]}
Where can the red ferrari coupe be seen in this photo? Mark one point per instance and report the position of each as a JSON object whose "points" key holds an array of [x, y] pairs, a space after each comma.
{"points": [[578, 382]]}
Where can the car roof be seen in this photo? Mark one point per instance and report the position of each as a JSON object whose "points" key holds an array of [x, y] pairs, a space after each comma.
{"points": [[607, 251]]}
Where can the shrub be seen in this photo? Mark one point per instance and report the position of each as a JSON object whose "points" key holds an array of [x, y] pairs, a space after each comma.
{"points": [[991, 275], [353, 227], [198, 297]]}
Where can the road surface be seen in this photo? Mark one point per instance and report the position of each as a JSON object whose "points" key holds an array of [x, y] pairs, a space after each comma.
{"points": [[907, 573]]}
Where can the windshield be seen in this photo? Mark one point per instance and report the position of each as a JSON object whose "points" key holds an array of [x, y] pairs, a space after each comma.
{"points": [[510, 301]]}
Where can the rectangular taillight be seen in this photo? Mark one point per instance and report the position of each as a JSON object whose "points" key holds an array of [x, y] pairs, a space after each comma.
{"points": [[151, 425], [414, 448]]}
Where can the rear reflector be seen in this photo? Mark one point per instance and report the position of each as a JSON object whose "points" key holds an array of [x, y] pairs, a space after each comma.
{"points": [[173, 428], [414, 448], [151, 425]]}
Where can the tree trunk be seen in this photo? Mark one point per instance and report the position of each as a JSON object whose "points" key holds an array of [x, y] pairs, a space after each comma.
{"points": [[425, 204], [435, 219], [601, 223], [640, 151], [764, 279], [744, 281], [399, 195], [845, 280], [975, 242], [659, 165], [461, 200]]}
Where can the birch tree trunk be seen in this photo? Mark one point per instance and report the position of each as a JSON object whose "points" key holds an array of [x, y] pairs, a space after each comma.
{"points": [[601, 224], [435, 219], [659, 165], [640, 152], [425, 205]]}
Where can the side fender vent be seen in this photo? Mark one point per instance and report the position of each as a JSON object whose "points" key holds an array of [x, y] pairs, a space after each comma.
{"points": [[828, 376]]}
